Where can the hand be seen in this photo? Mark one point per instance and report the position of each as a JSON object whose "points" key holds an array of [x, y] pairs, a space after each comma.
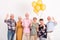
{"points": [[44, 27], [7, 16], [53, 18]]}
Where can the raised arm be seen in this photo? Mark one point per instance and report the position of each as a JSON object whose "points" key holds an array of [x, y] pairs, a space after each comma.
{"points": [[6, 18], [55, 23]]}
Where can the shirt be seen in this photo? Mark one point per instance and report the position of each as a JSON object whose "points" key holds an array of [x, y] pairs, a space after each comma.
{"points": [[26, 24], [34, 29], [50, 26], [11, 24], [42, 31]]}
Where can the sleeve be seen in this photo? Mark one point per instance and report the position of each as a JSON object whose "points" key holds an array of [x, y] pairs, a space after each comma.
{"points": [[46, 24], [37, 26], [6, 21], [23, 23], [46, 28], [54, 23], [15, 23], [16, 26]]}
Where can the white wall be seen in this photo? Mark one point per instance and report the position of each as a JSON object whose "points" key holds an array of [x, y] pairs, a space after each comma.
{"points": [[19, 7]]}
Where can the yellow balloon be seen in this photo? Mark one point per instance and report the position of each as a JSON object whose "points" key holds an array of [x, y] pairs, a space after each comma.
{"points": [[36, 11], [37, 7], [42, 7], [33, 3], [39, 1]]}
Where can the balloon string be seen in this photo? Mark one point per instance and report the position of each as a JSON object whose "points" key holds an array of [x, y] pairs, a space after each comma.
{"points": [[39, 15]]}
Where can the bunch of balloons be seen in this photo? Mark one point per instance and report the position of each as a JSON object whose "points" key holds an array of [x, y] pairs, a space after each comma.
{"points": [[38, 6]]}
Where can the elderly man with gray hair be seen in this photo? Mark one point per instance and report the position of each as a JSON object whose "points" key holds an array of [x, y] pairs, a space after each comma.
{"points": [[50, 27], [11, 23]]}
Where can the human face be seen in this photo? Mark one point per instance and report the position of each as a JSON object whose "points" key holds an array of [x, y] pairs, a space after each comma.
{"points": [[27, 15], [48, 18], [19, 18], [12, 16], [34, 20], [41, 22]]}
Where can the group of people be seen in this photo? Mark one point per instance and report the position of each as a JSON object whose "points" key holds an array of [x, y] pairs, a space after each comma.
{"points": [[28, 29]]}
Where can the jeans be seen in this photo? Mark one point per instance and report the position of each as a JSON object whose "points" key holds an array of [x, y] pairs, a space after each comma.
{"points": [[11, 34]]}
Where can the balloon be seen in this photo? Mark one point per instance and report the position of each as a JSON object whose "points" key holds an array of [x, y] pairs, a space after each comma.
{"points": [[38, 6], [36, 11], [39, 1], [42, 7], [33, 3]]}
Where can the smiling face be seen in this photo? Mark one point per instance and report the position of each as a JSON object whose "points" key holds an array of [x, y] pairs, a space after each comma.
{"points": [[19, 18], [27, 15], [12, 16], [48, 18], [41, 21], [35, 19]]}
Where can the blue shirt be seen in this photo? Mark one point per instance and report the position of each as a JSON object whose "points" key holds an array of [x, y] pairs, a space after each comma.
{"points": [[50, 26]]}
